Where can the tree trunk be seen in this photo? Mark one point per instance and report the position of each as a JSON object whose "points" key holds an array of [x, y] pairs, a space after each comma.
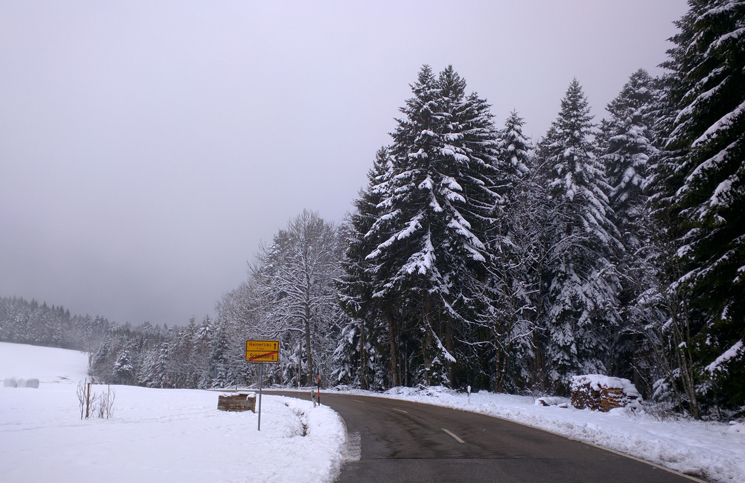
{"points": [[634, 348], [308, 351], [364, 384], [394, 350], [451, 349]]}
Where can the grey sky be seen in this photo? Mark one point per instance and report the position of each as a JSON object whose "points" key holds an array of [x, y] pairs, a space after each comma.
{"points": [[147, 147]]}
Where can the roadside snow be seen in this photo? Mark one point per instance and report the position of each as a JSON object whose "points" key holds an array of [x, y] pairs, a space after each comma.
{"points": [[170, 435], [158, 435], [713, 451]]}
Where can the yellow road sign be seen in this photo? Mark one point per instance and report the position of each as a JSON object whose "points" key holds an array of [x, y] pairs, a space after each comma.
{"points": [[262, 350]]}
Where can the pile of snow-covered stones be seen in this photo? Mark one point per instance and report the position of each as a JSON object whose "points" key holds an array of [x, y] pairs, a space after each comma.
{"points": [[13, 382], [598, 392]]}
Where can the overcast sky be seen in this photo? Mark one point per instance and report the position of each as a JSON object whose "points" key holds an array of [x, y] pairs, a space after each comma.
{"points": [[146, 148]]}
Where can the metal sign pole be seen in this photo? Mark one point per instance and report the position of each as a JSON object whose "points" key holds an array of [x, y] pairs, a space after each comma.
{"points": [[261, 381], [258, 352]]}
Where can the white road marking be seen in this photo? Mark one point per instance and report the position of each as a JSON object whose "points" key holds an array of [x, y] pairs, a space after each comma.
{"points": [[363, 402], [400, 410], [454, 436]]}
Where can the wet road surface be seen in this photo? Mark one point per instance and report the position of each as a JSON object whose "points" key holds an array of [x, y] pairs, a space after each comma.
{"points": [[402, 441]]}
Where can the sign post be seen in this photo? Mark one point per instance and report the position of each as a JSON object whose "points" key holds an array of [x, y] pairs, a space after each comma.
{"points": [[261, 382], [260, 351]]}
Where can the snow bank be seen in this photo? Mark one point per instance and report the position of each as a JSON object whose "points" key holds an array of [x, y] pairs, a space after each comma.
{"points": [[156, 435]]}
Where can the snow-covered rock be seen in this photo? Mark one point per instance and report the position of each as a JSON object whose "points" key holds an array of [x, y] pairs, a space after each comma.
{"points": [[13, 382]]}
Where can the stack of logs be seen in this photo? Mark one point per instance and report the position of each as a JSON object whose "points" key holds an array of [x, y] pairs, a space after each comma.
{"points": [[602, 393], [237, 402]]}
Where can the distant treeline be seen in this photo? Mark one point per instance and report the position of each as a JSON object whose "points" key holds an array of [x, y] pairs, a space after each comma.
{"points": [[198, 355], [202, 355], [27, 322]]}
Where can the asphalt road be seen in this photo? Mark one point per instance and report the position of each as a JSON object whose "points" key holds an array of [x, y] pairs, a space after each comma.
{"points": [[401, 441]]}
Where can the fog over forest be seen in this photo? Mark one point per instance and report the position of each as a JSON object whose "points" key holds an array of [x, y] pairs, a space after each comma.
{"points": [[147, 148], [418, 236]]}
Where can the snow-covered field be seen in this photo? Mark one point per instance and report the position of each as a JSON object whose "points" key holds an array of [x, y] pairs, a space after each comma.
{"points": [[155, 435], [712, 451]]}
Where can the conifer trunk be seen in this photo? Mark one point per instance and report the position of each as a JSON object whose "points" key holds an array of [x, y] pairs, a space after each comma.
{"points": [[394, 350], [451, 349], [364, 384]]}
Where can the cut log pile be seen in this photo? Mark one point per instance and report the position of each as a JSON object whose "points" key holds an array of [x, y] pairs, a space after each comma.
{"points": [[237, 402], [603, 393]]}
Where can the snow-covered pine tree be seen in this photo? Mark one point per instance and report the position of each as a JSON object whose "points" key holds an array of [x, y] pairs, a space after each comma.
{"points": [[514, 149], [703, 167], [438, 200], [514, 281], [102, 360], [355, 286], [580, 294], [395, 303], [195, 345], [217, 374], [124, 368], [626, 145]]}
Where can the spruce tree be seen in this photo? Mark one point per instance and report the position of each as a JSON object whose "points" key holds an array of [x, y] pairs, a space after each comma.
{"points": [[357, 284], [580, 304], [438, 200], [514, 149], [627, 146], [626, 143], [514, 279], [703, 168], [219, 362]]}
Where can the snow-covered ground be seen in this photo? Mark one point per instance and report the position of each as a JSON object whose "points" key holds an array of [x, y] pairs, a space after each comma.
{"points": [[170, 435], [158, 435], [712, 451]]}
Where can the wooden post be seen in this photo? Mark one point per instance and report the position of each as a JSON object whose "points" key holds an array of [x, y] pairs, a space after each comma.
{"points": [[88, 401]]}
